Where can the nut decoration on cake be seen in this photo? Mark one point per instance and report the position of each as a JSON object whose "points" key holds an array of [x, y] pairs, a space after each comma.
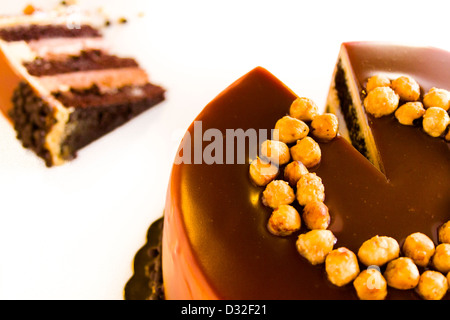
{"points": [[305, 154], [316, 243], [401, 96]]}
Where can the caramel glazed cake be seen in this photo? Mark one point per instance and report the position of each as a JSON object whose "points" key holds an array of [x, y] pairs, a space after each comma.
{"points": [[360, 214], [60, 86]]}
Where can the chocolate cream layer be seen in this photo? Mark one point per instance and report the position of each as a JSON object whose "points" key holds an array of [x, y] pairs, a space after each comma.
{"points": [[37, 32]]}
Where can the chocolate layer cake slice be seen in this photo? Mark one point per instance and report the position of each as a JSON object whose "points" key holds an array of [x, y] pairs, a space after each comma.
{"points": [[62, 88]]}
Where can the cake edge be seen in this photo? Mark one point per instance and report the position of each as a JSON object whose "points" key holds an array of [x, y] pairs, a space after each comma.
{"points": [[344, 100]]}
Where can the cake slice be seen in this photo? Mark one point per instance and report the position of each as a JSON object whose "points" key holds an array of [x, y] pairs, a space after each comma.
{"points": [[62, 88], [357, 63]]}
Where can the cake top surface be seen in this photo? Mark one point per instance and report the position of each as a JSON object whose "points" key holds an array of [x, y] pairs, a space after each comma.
{"points": [[427, 65]]}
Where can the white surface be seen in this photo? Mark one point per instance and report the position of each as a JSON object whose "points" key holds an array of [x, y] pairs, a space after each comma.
{"points": [[72, 232]]}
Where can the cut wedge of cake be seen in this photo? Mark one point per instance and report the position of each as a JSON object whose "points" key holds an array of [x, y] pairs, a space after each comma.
{"points": [[357, 63], [62, 88]]}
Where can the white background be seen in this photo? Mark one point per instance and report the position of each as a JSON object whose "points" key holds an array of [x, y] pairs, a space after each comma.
{"points": [[72, 232]]}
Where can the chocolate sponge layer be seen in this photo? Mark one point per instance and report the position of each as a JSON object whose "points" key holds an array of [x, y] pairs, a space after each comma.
{"points": [[348, 110], [36, 32], [33, 119], [86, 60], [97, 114]]}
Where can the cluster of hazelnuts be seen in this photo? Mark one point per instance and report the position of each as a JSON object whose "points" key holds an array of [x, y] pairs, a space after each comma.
{"points": [[402, 266], [402, 96], [296, 149]]}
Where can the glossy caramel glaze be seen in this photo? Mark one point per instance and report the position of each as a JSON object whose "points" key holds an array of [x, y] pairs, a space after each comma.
{"points": [[427, 65], [216, 244], [9, 81]]}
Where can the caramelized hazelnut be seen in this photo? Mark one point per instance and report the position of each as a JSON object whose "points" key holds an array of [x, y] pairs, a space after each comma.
{"points": [[370, 285], [315, 245], [402, 274], [378, 251], [377, 81], [291, 129], [276, 152], [316, 215], [29, 10], [435, 121], [444, 232], [407, 88], [409, 112], [381, 101], [307, 151], [432, 285], [325, 127], [441, 258], [294, 171], [437, 98], [278, 193], [284, 221], [304, 109], [341, 266], [310, 188], [261, 172], [418, 247]]}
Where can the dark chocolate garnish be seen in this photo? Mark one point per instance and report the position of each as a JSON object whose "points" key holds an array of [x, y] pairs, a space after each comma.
{"points": [[147, 280]]}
